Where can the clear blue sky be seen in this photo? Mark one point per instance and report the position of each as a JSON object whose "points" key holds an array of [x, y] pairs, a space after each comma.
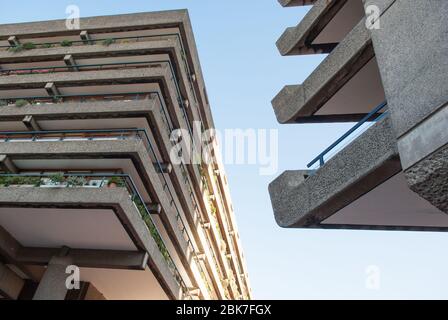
{"points": [[243, 72]]}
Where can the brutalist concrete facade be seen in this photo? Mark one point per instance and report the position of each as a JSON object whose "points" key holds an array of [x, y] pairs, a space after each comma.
{"points": [[87, 123], [403, 155]]}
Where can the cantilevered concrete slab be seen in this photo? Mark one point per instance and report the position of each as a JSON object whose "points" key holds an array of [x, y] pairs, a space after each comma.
{"points": [[115, 149], [44, 208], [138, 21], [293, 3], [335, 91], [324, 26], [301, 199], [412, 48]]}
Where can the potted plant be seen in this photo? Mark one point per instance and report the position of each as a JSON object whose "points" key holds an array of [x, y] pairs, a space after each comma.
{"points": [[3, 103], [16, 48], [57, 179], [108, 42], [76, 181], [21, 103], [29, 46], [66, 43], [116, 182]]}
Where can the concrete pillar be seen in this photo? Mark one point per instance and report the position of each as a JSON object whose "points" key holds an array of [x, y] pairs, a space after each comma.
{"points": [[154, 208], [51, 89], [53, 284], [85, 37], [6, 164], [70, 62], [164, 167], [411, 47], [31, 123], [13, 41], [10, 283]]}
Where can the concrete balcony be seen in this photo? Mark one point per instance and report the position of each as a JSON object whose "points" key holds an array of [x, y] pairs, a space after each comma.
{"points": [[344, 87], [105, 154], [137, 26], [325, 25], [294, 3], [361, 187], [125, 262]]}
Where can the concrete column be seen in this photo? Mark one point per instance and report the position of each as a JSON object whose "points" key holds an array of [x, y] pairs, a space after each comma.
{"points": [[164, 167], [13, 41], [31, 123], [411, 48], [154, 208], [10, 283], [7, 165], [52, 285], [51, 89], [85, 37], [70, 62]]}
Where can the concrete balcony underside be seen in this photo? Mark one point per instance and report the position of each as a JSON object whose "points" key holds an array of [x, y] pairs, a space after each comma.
{"points": [[361, 187], [101, 54], [331, 93], [152, 20], [293, 3], [58, 116], [28, 154], [159, 76], [30, 216]]}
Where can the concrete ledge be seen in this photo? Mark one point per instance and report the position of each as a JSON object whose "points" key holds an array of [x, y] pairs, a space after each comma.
{"points": [[117, 199], [295, 3], [429, 178], [302, 101], [298, 40], [81, 110], [304, 202]]}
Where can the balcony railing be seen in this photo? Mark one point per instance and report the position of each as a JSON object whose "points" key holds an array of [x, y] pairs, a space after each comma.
{"points": [[107, 42], [60, 180], [374, 116], [112, 134], [110, 66]]}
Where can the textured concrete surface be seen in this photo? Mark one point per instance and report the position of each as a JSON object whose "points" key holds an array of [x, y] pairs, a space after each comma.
{"points": [[416, 74], [133, 149], [362, 165], [164, 19], [118, 199], [429, 178], [298, 39], [292, 3], [411, 48], [427, 137], [81, 110], [346, 60]]}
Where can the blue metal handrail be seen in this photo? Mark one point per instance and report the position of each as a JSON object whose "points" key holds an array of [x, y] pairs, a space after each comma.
{"points": [[136, 198], [367, 118]]}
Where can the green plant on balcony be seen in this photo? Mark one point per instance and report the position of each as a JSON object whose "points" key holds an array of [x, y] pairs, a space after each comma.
{"points": [[57, 178], [16, 48], [116, 182], [152, 229], [3, 103], [47, 45], [29, 46], [108, 42], [19, 180], [75, 181], [21, 103], [66, 43]]}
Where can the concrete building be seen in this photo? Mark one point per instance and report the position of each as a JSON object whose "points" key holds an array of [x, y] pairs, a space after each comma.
{"points": [[87, 118], [387, 71]]}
